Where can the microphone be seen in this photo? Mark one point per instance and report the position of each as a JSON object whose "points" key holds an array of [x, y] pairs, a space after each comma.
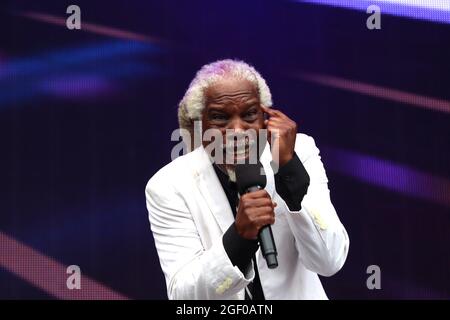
{"points": [[250, 178]]}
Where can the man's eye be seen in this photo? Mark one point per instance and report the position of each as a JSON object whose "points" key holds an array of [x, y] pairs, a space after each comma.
{"points": [[217, 116], [251, 114]]}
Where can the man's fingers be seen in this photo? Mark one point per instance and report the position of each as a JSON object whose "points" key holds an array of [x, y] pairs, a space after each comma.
{"points": [[259, 202], [279, 122], [273, 113], [256, 212], [265, 220], [267, 110], [257, 194], [276, 127]]}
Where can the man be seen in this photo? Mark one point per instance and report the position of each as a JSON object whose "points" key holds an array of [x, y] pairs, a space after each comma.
{"points": [[206, 235]]}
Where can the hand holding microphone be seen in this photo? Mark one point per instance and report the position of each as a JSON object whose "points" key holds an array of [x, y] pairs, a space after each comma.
{"points": [[255, 213]]}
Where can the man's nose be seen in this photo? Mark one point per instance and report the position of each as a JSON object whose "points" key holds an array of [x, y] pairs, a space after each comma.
{"points": [[238, 125]]}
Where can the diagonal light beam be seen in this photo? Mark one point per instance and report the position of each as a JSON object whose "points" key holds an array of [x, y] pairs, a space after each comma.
{"points": [[91, 27], [437, 11], [388, 175], [69, 57], [376, 91], [48, 274]]}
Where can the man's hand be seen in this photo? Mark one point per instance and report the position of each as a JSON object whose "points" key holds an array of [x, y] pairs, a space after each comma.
{"points": [[283, 131], [255, 211]]}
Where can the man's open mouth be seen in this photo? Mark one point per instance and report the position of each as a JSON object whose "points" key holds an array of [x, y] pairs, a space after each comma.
{"points": [[238, 150]]}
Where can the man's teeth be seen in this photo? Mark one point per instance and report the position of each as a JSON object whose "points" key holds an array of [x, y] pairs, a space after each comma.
{"points": [[240, 149], [241, 153]]}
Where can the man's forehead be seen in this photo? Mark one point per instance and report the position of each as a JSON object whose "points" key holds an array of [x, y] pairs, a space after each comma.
{"points": [[230, 88]]}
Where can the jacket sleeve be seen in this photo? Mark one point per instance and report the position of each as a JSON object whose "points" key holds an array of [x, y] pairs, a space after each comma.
{"points": [[320, 237], [191, 271]]}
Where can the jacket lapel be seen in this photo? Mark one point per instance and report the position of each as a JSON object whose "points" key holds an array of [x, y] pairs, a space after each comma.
{"points": [[265, 160], [211, 190]]}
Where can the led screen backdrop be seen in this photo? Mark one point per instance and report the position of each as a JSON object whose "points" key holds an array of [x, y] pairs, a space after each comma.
{"points": [[431, 10], [86, 118]]}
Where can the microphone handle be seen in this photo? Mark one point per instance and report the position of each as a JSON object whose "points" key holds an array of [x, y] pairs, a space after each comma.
{"points": [[268, 248]]}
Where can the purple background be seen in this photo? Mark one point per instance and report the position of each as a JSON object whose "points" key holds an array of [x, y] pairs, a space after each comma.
{"points": [[86, 119]]}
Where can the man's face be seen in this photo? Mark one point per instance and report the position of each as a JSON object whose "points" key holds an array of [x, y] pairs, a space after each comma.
{"points": [[233, 105]]}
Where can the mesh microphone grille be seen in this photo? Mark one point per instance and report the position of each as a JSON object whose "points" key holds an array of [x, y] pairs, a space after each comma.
{"points": [[249, 175]]}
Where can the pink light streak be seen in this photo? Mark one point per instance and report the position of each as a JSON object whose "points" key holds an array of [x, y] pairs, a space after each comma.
{"points": [[47, 274], [386, 93], [90, 27], [389, 175]]}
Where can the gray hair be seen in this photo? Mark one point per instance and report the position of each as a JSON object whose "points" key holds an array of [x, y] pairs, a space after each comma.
{"points": [[192, 105]]}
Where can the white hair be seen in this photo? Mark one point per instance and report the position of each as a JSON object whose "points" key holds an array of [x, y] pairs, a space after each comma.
{"points": [[192, 105]]}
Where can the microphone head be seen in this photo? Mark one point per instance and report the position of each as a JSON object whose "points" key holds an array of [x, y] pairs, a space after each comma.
{"points": [[250, 175]]}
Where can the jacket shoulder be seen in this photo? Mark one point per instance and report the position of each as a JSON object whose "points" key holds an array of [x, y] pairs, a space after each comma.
{"points": [[305, 146], [178, 170]]}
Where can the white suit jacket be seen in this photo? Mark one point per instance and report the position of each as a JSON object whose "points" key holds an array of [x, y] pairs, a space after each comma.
{"points": [[189, 212]]}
